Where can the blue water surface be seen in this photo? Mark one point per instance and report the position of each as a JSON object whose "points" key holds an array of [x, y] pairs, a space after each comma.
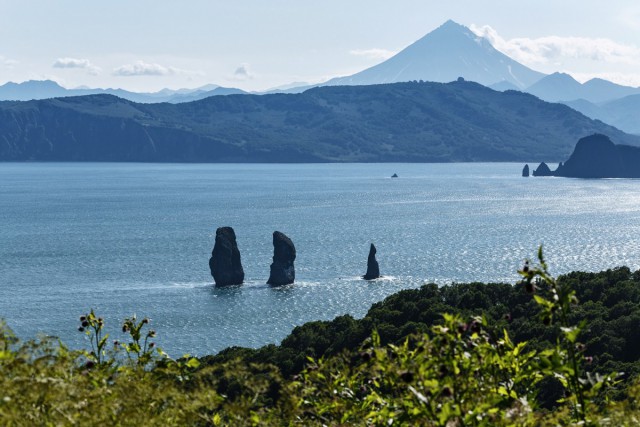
{"points": [[136, 238]]}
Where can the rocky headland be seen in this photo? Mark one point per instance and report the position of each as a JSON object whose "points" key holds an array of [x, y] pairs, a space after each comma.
{"points": [[596, 156]]}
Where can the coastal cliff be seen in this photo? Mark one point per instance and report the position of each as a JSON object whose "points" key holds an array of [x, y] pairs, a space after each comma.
{"points": [[596, 156]]}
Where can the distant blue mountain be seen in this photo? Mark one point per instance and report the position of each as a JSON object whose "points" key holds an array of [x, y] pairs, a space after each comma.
{"points": [[598, 99], [201, 94], [559, 87], [556, 87], [453, 51], [450, 51], [32, 89], [504, 85], [45, 89], [600, 90], [623, 113]]}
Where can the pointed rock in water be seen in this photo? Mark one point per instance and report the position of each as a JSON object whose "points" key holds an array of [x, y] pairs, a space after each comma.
{"points": [[543, 170], [525, 170], [373, 270], [284, 253], [224, 263], [395, 175]]}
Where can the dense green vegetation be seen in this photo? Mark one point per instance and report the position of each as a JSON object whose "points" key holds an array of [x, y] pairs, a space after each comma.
{"points": [[543, 352], [610, 302], [401, 122]]}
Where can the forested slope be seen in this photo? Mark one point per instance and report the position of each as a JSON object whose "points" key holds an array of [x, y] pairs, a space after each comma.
{"points": [[403, 122]]}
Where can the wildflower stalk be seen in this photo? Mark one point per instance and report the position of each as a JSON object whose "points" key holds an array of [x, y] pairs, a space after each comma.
{"points": [[93, 327], [557, 302]]}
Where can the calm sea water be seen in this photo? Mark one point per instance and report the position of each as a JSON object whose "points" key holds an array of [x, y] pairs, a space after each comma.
{"points": [[136, 238]]}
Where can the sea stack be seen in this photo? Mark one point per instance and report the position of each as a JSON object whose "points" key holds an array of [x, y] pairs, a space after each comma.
{"points": [[543, 170], [373, 270], [284, 253], [525, 171], [224, 263]]}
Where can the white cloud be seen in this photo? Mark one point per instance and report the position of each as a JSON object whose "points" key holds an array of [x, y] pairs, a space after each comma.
{"points": [[84, 64], [141, 68], [8, 63], [71, 63], [556, 49], [243, 72], [374, 53]]}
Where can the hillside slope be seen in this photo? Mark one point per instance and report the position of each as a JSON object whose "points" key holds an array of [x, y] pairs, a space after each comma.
{"points": [[403, 122]]}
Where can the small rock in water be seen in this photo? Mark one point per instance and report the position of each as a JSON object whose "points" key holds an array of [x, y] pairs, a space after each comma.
{"points": [[373, 270], [543, 170], [225, 264], [284, 253], [395, 175]]}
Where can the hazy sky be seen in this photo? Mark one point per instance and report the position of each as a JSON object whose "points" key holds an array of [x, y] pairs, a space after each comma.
{"points": [[146, 45]]}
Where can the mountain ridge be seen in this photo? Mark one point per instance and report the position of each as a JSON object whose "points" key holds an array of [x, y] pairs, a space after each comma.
{"points": [[561, 87], [622, 113], [45, 89], [401, 122]]}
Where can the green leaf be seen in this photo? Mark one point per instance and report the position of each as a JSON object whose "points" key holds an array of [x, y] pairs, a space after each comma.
{"points": [[519, 348], [571, 334], [193, 363], [375, 338], [562, 379], [507, 340], [255, 419], [543, 301], [103, 341]]}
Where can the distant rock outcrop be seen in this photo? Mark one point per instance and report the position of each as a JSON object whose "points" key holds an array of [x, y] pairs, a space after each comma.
{"points": [[224, 263], [596, 156], [373, 270], [525, 170], [543, 170], [284, 253]]}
